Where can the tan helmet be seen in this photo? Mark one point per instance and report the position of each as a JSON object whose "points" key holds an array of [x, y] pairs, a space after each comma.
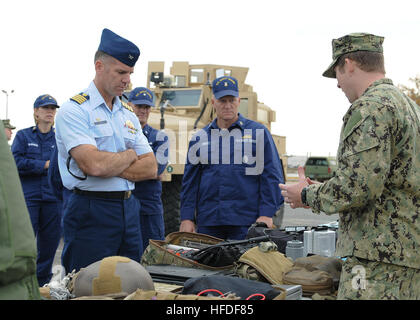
{"points": [[112, 275]]}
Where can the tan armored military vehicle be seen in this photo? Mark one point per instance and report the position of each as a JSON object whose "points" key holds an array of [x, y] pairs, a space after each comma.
{"points": [[182, 106]]}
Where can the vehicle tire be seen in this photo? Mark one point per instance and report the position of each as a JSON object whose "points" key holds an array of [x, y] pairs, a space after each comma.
{"points": [[171, 203]]}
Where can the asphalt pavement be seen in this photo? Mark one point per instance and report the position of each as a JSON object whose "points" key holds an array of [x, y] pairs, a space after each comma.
{"points": [[305, 217]]}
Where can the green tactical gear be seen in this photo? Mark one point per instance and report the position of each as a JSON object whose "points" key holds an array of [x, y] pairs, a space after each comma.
{"points": [[158, 253], [317, 275], [17, 240], [263, 263]]}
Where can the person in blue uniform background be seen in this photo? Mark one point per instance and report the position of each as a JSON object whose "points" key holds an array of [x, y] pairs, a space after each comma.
{"points": [[32, 148], [149, 192], [232, 171], [54, 179], [102, 152]]}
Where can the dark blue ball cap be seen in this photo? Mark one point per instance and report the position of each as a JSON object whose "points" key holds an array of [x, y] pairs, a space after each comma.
{"points": [[141, 95], [121, 49], [45, 100], [225, 86]]}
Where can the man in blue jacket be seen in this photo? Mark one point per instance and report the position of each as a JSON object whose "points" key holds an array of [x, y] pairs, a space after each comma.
{"points": [[149, 192], [32, 148], [232, 171]]}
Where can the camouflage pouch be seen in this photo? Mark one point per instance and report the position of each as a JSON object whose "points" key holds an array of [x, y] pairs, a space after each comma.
{"points": [[157, 252], [316, 274], [263, 263], [245, 271], [331, 265], [316, 281]]}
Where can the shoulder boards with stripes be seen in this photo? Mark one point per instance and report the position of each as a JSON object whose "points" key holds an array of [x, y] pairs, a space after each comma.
{"points": [[80, 98], [125, 105]]}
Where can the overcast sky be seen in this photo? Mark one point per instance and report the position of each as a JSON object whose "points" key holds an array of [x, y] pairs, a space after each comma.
{"points": [[48, 47]]}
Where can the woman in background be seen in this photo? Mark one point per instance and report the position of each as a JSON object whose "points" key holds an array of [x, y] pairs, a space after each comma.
{"points": [[32, 148]]}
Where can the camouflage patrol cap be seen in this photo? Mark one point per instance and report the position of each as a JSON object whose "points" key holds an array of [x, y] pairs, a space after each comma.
{"points": [[7, 124], [351, 43]]}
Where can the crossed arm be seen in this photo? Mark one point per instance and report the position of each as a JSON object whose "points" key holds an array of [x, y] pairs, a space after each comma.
{"points": [[125, 164]]}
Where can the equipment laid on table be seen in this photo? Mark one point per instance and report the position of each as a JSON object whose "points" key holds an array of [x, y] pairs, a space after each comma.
{"points": [[316, 274], [111, 275], [200, 264], [293, 292], [243, 288], [178, 275], [196, 250], [162, 252], [162, 295], [295, 249], [263, 263], [224, 253], [320, 241], [279, 236]]}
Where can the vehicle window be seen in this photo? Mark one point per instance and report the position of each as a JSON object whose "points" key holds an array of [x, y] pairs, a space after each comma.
{"points": [[197, 76], [180, 81], [181, 97], [310, 162], [322, 162], [223, 72], [317, 162]]}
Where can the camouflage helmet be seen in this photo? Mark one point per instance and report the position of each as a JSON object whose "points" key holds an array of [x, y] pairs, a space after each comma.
{"points": [[351, 43], [112, 275]]}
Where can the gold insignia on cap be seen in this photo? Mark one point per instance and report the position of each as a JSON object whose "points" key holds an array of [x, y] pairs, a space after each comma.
{"points": [[144, 92], [224, 79]]}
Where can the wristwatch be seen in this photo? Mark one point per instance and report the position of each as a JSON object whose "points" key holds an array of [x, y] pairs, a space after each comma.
{"points": [[303, 196]]}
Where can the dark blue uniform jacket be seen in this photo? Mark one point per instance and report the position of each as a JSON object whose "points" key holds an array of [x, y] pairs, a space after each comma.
{"points": [[218, 187], [149, 191], [31, 150], [54, 178]]}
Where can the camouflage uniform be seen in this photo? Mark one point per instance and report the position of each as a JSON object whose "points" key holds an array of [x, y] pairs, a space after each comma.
{"points": [[368, 280], [17, 240], [376, 191]]}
